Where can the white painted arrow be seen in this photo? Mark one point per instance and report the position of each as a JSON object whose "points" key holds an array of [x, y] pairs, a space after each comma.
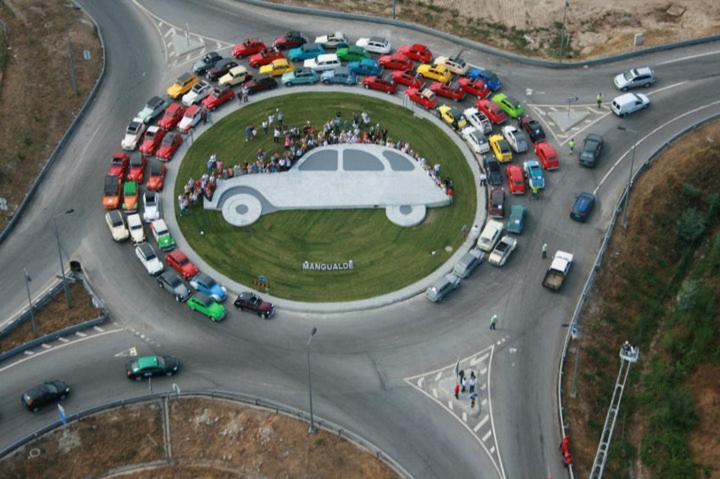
{"points": [[127, 353]]}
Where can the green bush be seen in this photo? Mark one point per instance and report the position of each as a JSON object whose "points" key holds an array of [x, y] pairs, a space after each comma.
{"points": [[691, 226]]}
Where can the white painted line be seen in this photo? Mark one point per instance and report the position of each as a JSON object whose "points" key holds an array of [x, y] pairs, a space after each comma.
{"points": [[172, 53], [434, 391], [483, 402], [492, 449], [596, 111], [483, 370], [487, 435], [98, 329], [420, 381], [46, 346], [169, 32], [482, 422], [438, 376], [142, 336], [666, 88], [28, 353], [187, 57], [690, 57], [482, 387], [82, 335], [447, 367], [499, 343], [450, 405], [63, 340], [553, 108], [484, 357], [464, 416]]}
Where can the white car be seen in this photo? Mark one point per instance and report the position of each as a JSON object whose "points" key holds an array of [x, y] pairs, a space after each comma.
{"points": [[152, 109], [116, 223], [374, 45], [478, 119], [151, 206], [190, 118], [137, 233], [456, 65], [134, 131], [149, 259], [490, 235], [502, 251], [332, 40], [196, 94], [324, 62], [515, 138], [475, 139], [629, 103]]}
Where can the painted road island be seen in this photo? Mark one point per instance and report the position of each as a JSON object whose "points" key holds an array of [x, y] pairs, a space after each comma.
{"points": [[346, 176]]}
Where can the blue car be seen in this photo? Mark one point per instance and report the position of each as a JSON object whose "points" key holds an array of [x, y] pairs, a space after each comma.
{"points": [[309, 50], [582, 207], [491, 79], [301, 76], [340, 76], [206, 285], [367, 66], [516, 222], [534, 173]]}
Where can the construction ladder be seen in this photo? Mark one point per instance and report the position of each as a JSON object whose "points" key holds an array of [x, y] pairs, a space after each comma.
{"points": [[626, 360]]}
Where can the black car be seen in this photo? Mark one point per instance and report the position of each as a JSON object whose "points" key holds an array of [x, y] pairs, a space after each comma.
{"points": [[206, 62], [252, 302], [171, 282], [591, 149], [493, 172], [261, 84], [532, 127], [148, 366], [44, 394], [582, 207], [221, 68]]}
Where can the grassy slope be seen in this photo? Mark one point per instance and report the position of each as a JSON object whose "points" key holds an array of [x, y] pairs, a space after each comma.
{"points": [[387, 257]]}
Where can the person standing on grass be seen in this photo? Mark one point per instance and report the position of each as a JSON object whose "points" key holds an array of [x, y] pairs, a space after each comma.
{"points": [[493, 321]]}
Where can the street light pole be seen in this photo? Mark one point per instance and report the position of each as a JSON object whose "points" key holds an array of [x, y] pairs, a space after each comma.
{"points": [[312, 429], [570, 100], [626, 203], [68, 299], [32, 308], [563, 32]]}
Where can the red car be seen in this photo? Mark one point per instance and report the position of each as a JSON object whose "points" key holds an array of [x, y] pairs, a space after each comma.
{"points": [[416, 51], [289, 40], [492, 110], [249, 47], [516, 180], [170, 143], [219, 96], [380, 83], [180, 263], [396, 61], [448, 91], [173, 115], [265, 57], [156, 176], [474, 87], [547, 156], [426, 98], [137, 168], [119, 164], [153, 137], [410, 80]]}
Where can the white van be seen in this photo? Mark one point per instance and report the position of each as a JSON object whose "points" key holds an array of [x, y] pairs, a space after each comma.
{"points": [[629, 103], [490, 235], [321, 63]]}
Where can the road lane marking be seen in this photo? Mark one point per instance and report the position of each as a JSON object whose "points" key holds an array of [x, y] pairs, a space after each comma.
{"points": [[28, 353], [450, 405], [420, 382], [63, 340], [169, 32], [464, 416], [434, 391], [666, 88], [82, 335], [438, 376], [486, 436], [482, 422], [98, 329], [492, 449], [45, 346], [689, 57]]}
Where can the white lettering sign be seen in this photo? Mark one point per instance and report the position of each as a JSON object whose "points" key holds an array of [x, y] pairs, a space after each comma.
{"points": [[309, 266]]}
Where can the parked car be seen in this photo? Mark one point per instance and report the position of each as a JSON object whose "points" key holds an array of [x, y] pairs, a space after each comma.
{"points": [[478, 119], [162, 235], [137, 168], [396, 61], [442, 287], [204, 304], [151, 206], [591, 150], [516, 221], [582, 207], [192, 117], [116, 223], [434, 72], [516, 181], [547, 155], [46, 393], [173, 115], [248, 47], [534, 173], [207, 285], [628, 103], [417, 51], [492, 110], [171, 142], [634, 78], [247, 301], [149, 259], [133, 132], [339, 76], [180, 263], [266, 57], [532, 127], [500, 148], [111, 192], [152, 109], [156, 176], [220, 69], [135, 227], [332, 40], [301, 76], [171, 282], [502, 251], [375, 45], [217, 97], [326, 61], [290, 39], [182, 85], [379, 83], [366, 66], [150, 366], [515, 138], [477, 87], [492, 169], [447, 90], [509, 105], [451, 116], [131, 196], [196, 94], [119, 164], [153, 136], [475, 139], [351, 53], [490, 235], [208, 61], [488, 76], [407, 78], [257, 85], [277, 67], [303, 52], [496, 204], [468, 263], [455, 64], [235, 76], [424, 98]]}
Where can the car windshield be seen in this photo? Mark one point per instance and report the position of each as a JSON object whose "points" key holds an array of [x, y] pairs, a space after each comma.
{"points": [[629, 75], [111, 185], [116, 218], [133, 128], [504, 147], [168, 140], [136, 162]]}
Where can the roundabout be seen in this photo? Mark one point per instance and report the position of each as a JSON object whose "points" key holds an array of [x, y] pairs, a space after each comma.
{"points": [[381, 208]]}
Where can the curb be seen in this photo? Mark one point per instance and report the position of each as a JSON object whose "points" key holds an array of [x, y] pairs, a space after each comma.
{"points": [[476, 45], [65, 138]]}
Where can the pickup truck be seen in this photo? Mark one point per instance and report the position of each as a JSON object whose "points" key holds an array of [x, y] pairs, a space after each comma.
{"points": [[559, 269]]}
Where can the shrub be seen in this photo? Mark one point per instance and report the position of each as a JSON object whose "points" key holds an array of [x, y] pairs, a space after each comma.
{"points": [[691, 226]]}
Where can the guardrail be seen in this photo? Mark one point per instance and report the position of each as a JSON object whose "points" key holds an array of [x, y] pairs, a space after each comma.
{"points": [[575, 320], [266, 404], [38, 303], [65, 138], [476, 45]]}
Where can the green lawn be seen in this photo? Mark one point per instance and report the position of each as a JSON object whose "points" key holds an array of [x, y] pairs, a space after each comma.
{"points": [[386, 257]]}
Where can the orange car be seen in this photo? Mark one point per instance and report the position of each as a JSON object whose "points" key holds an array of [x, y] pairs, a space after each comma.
{"points": [[111, 193]]}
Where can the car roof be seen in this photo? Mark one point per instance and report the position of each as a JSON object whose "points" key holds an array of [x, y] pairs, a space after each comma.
{"points": [[115, 215], [130, 188], [146, 249], [204, 278], [171, 276], [154, 101], [202, 297], [184, 77], [148, 361], [378, 39]]}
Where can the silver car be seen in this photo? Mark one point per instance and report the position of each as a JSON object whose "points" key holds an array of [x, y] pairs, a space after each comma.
{"points": [[171, 282], [634, 78], [467, 264], [442, 287]]}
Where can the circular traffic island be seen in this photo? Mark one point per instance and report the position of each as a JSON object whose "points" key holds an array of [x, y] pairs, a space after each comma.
{"points": [[347, 221]]}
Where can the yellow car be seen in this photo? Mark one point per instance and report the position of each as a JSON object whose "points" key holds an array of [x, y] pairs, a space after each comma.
{"points": [[451, 116], [182, 85], [500, 148], [435, 72], [276, 68]]}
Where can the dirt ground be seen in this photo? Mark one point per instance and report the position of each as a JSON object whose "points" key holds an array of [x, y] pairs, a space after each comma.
{"points": [[613, 309], [532, 27], [54, 316], [35, 87]]}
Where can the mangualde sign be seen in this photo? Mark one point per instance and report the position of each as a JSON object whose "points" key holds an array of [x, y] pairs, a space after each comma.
{"points": [[309, 266]]}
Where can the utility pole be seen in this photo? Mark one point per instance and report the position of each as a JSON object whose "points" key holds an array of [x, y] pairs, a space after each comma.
{"points": [[71, 57], [312, 428], [572, 99], [393, 9], [28, 279], [68, 299], [626, 203], [563, 32]]}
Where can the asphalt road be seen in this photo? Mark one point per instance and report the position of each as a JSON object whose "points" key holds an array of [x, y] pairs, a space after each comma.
{"points": [[360, 359]]}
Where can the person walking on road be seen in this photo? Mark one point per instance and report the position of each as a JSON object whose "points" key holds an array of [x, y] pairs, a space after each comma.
{"points": [[571, 144], [483, 179], [493, 322], [472, 382], [544, 250], [456, 391], [599, 99], [464, 385]]}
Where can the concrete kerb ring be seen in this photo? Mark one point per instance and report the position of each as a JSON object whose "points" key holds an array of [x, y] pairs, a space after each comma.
{"points": [[241, 210]]}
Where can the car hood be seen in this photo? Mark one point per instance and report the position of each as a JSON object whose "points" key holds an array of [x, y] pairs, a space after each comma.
{"points": [[181, 290], [171, 363]]}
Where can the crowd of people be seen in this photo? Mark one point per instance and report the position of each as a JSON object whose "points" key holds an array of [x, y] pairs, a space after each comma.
{"points": [[296, 141]]}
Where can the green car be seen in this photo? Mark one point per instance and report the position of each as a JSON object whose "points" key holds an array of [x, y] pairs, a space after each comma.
{"points": [[351, 54], [162, 235], [509, 105], [204, 304], [516, 222]]}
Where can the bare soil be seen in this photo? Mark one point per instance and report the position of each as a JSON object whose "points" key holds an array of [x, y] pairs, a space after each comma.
{"points": [[639, 261], [54, 316], [35, 90], [533, 27]]}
